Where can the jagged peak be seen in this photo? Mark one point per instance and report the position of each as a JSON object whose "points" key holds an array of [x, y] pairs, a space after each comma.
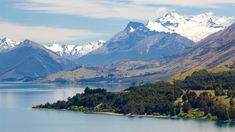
{"points": [[171, 14]]}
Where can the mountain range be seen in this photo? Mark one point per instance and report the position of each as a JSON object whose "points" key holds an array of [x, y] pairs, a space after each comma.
{"points": [[171, 45], [215, 52], [169, 35], [72, 51], [68, 51]]}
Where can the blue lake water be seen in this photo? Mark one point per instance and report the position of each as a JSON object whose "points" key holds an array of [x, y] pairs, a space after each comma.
{"points": [[16, 115]]}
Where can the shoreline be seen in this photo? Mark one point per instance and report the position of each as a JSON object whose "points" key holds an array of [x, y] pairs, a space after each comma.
{"points": [[130, 115], [159, 117], [139, 116]]}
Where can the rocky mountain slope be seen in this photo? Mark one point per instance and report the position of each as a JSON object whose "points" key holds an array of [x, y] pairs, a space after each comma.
{"points": [[216, 52]]}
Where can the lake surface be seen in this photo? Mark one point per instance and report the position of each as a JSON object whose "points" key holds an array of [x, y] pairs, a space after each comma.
{"points": [[16, 115]]}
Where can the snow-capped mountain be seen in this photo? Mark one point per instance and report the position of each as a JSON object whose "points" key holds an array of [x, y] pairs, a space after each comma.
{"points": [[137, 42], [75, 51], [193, 27], [170, 35], [70, 51], [7, 44]]}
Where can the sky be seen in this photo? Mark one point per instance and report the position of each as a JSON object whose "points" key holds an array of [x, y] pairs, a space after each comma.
{"points": [[82, 21]]}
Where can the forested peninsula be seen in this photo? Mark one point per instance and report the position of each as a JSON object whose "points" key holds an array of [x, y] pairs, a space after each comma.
{"points": [[202, 95]]}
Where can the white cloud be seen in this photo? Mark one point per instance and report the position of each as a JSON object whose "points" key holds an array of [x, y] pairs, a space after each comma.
{"points": [[191, 3], [130, 9], [93, 8], [41, 33]]}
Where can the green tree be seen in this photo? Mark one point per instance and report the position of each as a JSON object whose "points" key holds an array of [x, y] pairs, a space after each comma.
{"points": [[231, 93], [132, 107], [232, 112], [220, 111], [186, 107], [177, 108]]}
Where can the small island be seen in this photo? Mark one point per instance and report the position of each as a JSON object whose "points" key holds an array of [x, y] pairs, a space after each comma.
{"points": [[202, 95]]}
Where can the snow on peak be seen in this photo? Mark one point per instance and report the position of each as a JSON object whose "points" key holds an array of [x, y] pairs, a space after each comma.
{"points": [[7, 44], [75, 51], [193, 27], [132, 29]]}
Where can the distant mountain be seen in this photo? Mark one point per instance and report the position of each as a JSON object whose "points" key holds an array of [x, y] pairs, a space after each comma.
{"points": [[72, 51], [137, 42], [68, 51], [7, 44], [28, 61], [193, 27]]}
